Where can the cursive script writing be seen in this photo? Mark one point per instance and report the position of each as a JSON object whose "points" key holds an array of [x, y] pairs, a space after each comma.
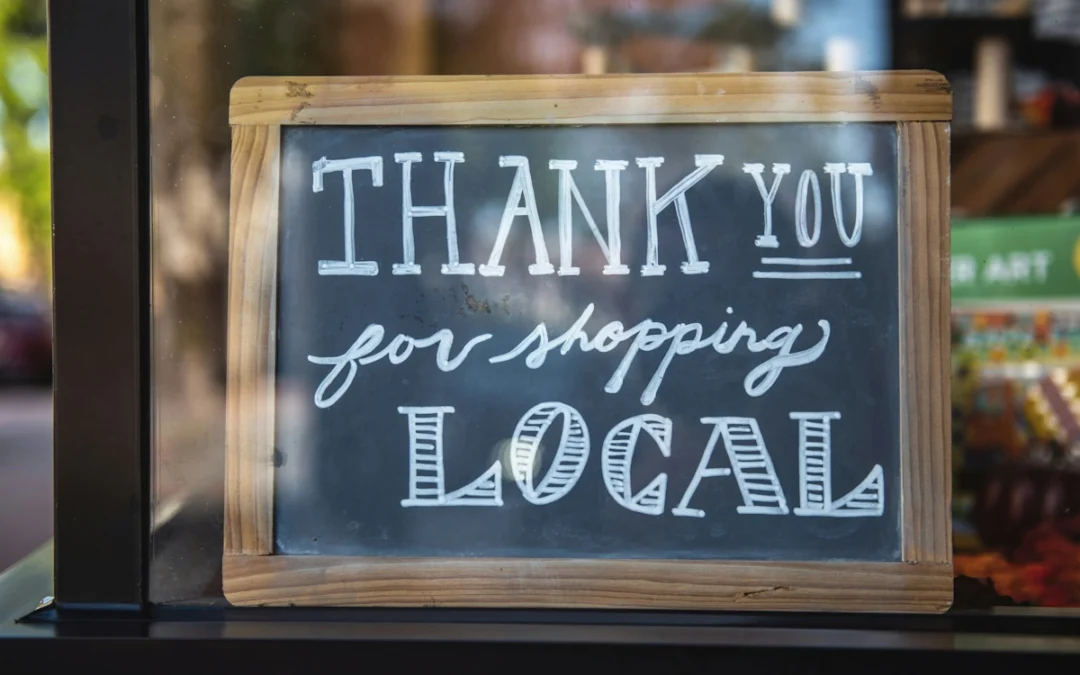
{"points": [[398, 351], [647, 336], [684, 338]]}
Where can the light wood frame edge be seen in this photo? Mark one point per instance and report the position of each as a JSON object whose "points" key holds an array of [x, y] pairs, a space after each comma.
{"points": [[923, 200], [586, 583], [251, 343], [923, 582], [691, 98]]}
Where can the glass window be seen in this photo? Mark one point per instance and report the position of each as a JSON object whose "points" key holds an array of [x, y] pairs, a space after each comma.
{"points": [[1015, 190]]}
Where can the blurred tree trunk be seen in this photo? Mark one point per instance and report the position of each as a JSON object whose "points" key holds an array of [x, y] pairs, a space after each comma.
{"points": [[189, 212], [199, 48], [387, 37]]}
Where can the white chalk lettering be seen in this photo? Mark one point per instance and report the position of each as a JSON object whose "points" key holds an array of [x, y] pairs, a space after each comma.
{"points": [[815, 479], [750, 459], [650, 335], [618, 454], [409, 211], [835, 170], [767, 239], [570, 456], [613, 191], [568, 195], [521, 190], [703, 471], [761, 379], [807, 179], [427, 481], [677, 195], [350, 265], [547, 453], [399, 350]]}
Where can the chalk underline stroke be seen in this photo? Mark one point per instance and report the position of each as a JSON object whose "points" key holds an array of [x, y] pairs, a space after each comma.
{"points": [[807, 274], [807, 262], [682, 339]]}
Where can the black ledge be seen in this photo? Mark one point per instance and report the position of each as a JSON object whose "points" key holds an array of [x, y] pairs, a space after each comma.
{"points": [[220, 639]]}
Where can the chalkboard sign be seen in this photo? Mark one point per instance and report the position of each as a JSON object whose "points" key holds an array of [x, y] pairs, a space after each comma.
{"points": [[668, 342]]}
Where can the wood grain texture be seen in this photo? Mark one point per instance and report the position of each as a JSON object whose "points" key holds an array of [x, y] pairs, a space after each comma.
{"points": [[925, 351], [249, 420], [625, 584], [704, 98]]}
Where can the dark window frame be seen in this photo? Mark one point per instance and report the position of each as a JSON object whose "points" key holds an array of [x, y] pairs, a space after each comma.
{"points": [[101, 233]]}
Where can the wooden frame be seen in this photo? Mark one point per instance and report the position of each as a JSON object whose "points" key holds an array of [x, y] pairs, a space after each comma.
{"points": [[921, 104]]}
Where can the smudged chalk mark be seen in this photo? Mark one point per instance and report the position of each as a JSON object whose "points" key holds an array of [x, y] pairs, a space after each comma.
{"points": [[475, 306]]}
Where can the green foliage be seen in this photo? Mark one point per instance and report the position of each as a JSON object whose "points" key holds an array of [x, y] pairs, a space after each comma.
{"points": [[24, 120]]}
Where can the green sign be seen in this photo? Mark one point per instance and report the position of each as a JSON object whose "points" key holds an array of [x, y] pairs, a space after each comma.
{"points": [[1034, 258]]}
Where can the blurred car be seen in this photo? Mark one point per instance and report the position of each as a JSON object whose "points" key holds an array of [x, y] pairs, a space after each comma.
{"points": [[25, 339]]}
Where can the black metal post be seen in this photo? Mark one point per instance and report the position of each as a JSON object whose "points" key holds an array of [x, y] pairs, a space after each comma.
{"points": [[98, 81]]}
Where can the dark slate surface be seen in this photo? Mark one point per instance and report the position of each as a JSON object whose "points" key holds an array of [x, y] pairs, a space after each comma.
{"points": [[343, 470]]}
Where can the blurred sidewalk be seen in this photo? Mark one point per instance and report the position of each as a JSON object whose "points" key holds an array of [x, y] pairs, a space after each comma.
{"points": [[26, 507]]}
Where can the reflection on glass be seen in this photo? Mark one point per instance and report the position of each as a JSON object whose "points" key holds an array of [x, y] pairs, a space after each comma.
{"points": [[201, 47]]}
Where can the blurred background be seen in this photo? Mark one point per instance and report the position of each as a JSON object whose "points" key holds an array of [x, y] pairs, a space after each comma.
{"points": [[1015, 69], [25, 334]]}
